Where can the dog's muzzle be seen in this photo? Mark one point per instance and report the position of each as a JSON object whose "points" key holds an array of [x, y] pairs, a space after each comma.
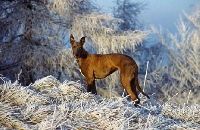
{"points": [[78, 54]]}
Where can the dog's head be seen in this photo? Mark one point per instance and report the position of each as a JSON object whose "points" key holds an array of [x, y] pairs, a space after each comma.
{"points": [[77, 47]]}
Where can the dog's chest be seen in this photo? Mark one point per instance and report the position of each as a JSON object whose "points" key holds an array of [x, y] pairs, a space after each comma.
{"points": [[83, 67], [81, 72]]}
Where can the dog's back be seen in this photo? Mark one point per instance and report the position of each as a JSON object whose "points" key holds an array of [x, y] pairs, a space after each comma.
{"points": [[105, 64]]}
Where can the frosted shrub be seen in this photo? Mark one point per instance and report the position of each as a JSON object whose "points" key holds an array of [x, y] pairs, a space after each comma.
{"points": [[70, 87], [185, 113], [183, 50], [20, 95], [45, 83], [10, 117]]}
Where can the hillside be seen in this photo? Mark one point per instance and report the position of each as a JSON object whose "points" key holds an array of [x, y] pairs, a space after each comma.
{"points": [[50, 104]]}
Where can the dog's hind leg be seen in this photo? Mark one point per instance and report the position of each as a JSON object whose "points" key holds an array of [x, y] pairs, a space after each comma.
{"points": [[126, 80], [133, 88], [131, 91], [139, 88]]}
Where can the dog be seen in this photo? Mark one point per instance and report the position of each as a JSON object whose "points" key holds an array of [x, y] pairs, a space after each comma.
{"points": [[98, 66]]}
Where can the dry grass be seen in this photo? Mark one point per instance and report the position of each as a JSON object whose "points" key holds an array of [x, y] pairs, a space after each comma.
{"points": [[49, 104]]}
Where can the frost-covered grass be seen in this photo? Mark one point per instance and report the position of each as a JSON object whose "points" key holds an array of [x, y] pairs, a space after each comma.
{"points": [[49, 104]]}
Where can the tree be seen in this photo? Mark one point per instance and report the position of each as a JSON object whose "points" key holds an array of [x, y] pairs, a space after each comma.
{"points": [[52, 23], [128, 11], [183, 50], [32, 36]]}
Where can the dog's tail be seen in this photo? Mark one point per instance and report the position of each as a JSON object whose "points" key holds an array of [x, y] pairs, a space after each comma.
{"points": [[139, 88]]}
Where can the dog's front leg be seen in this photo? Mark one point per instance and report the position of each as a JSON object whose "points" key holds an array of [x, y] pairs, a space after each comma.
{"points": [[91, 86]]}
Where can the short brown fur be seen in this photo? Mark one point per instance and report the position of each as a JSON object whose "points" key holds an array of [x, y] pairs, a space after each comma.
{"points": [[98, 66]]}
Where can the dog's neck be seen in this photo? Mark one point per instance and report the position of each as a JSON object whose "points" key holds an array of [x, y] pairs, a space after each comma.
{"points": [[83, 54]]}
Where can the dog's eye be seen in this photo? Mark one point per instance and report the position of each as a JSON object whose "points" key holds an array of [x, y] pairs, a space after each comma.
{"points": [[74, 46]]}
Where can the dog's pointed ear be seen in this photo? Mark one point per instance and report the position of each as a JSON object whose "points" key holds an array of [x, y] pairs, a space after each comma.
{"points": [[71, 39], [82, 41]]}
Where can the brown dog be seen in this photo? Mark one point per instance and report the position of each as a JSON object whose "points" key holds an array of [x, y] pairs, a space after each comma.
{"points": [[97, 66]]}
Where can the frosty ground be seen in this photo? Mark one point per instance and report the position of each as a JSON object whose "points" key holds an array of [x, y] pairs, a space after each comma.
{"points": [[50, 104]]}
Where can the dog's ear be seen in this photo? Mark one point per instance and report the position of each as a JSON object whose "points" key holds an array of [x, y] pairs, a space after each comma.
{"points": [[82, 41], [71, 39]]}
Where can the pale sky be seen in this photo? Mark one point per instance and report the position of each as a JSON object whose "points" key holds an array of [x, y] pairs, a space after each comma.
{"points": [[163, 13]]}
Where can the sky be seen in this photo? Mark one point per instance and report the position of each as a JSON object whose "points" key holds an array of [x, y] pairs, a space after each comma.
{"points": [[164, 13]]}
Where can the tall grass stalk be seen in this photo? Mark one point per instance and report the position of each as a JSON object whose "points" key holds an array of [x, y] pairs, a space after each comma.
{"points": [[146, 75]]}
